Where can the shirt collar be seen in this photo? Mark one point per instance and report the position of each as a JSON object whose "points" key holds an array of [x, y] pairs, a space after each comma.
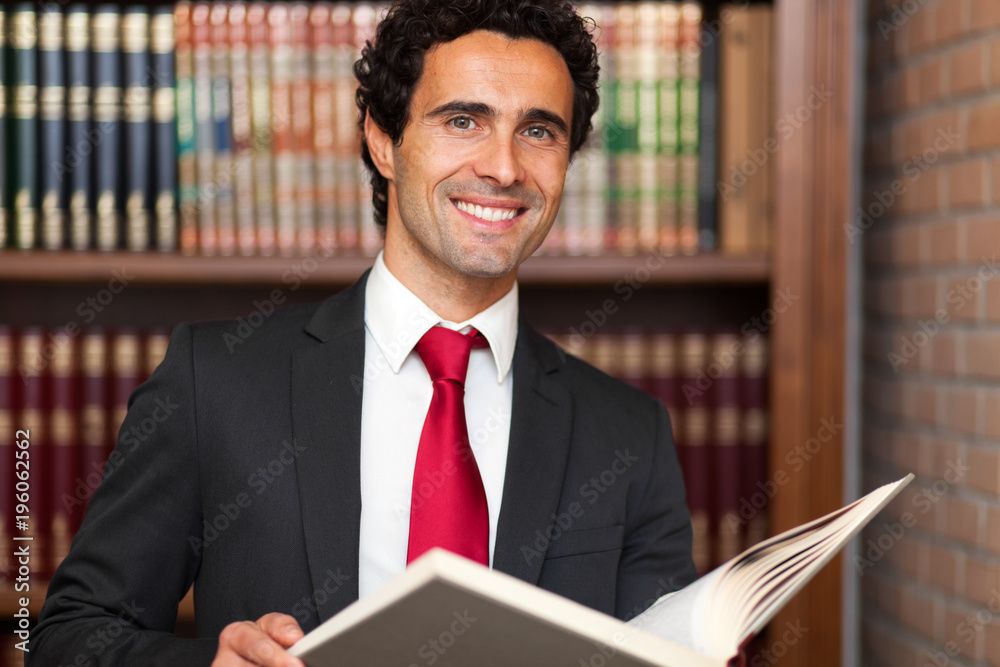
{"points": [[396, 318]]}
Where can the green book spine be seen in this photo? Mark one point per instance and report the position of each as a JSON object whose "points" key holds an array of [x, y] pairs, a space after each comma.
{"points": [[24, 165], [688, 126]]}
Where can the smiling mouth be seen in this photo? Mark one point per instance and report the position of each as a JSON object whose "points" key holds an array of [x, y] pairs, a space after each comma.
{"points": [[487, 213]]}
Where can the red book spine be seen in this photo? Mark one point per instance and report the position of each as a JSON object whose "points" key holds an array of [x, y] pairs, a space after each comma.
{"points": [[31, 368], [283, 134], [302, 128], [187, 170], [64, 430], [321, 47], [239, 69], [694, 355], [260, 123], [634, 358], [126, 371], [755, 436], [8, 408], [94, 397], [201, 46], [222, 128], [664, 385], [156, 349], [346, 137], [724, 367]]}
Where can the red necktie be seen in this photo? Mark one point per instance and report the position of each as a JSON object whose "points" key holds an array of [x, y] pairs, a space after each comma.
{"points": [[448, 506]]}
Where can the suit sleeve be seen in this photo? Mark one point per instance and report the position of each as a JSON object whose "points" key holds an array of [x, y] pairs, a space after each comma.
{"points": [[113, 600], [656, 557]]}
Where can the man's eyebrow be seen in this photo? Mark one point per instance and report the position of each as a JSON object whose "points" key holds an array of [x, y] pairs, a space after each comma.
{"points": [[481, 109]]}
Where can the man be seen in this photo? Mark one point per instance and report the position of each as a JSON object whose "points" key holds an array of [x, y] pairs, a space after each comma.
{"points": [[289, 477]]}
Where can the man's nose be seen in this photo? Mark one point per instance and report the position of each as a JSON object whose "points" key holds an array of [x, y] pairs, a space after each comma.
{"points": [[501, 161]]}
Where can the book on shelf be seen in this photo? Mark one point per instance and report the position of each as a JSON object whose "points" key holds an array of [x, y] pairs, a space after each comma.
{"points": [[493, 619]]}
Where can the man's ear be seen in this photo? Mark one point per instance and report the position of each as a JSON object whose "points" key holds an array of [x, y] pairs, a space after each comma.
{"points": [[380, 147]]}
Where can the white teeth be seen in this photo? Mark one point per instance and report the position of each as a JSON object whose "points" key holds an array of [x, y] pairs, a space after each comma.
{"points": [[489, 214]]}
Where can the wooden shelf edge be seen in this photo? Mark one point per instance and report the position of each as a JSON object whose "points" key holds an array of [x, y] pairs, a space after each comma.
{"points": [[171, 269], [9, 600]]}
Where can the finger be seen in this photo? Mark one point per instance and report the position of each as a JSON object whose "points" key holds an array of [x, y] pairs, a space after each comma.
{"points": [[249, 641], [282, 628]]}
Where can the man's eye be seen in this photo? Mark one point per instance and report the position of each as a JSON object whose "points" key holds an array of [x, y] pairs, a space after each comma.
{"points": [[538, 132], [463, 123]]}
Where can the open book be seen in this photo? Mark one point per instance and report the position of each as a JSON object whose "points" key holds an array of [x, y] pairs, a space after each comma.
{"points": [[447, 611]]}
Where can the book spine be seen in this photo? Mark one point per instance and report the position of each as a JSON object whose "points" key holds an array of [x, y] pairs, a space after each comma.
{"points": [[753, 377], [593, 160], [4, 235], [734, 97], [106, 35], [321, 49], [204, 129], [669, 141], [635, 357], [187, 162], [727, 463], [708, 144], [94, 432], [647, 61], [31, 369], [239, 67], [138, 128], [346, 131], [24, 162], [283, 136], [126, 374], [694, 356], [302, 128], [157, 340], [222, 128], [79, 132], [8, 437], [52, 126], [625, 104], [365, 20], [759, 183], [260, 123], [687, 164], [161, 49], [64, 431], [664, 385]]}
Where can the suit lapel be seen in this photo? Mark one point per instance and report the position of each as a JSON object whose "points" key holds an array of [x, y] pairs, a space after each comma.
{"points": [[326, 422], [541, 421]]}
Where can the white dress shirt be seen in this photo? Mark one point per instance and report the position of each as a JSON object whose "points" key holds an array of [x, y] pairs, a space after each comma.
{"points": [[397, 393]]}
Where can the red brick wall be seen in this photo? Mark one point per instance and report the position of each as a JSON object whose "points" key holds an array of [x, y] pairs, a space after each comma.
{"points": [[929, 227]]}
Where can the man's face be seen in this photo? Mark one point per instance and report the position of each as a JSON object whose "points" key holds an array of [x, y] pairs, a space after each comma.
{"points": [[479, 174]]}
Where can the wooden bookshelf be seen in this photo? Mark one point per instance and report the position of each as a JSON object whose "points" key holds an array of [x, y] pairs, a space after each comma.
{"points": [[172, 269]]}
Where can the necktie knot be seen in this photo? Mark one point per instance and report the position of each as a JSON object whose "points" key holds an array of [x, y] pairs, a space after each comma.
{"points": [[445, 352]]}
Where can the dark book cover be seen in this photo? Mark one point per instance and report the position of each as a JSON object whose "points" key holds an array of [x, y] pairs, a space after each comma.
{"points": [[63, 444], [4, 153], [708, 146], [753, 378], [106, 46], [163, 80], [126, 374], [52, 127], [155, 346], [80, 149], [635, 358], [138, 129], [23, 163], [695, 408], [8, 439]]}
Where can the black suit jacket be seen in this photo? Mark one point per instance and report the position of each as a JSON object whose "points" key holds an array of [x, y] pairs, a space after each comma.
{"points": [[237, 468]]}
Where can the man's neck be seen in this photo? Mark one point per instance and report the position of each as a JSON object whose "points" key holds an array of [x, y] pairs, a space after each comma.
{"points": [[454, 296]]}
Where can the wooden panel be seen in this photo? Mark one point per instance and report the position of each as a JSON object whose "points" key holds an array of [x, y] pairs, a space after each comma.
{"points": [[815, 49]]}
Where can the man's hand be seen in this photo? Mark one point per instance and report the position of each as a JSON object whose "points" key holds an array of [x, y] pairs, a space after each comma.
{"points": [[261, 643]]}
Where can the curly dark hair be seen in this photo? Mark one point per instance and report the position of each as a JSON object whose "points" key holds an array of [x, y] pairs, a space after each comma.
{"points": [[389, 70]]}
